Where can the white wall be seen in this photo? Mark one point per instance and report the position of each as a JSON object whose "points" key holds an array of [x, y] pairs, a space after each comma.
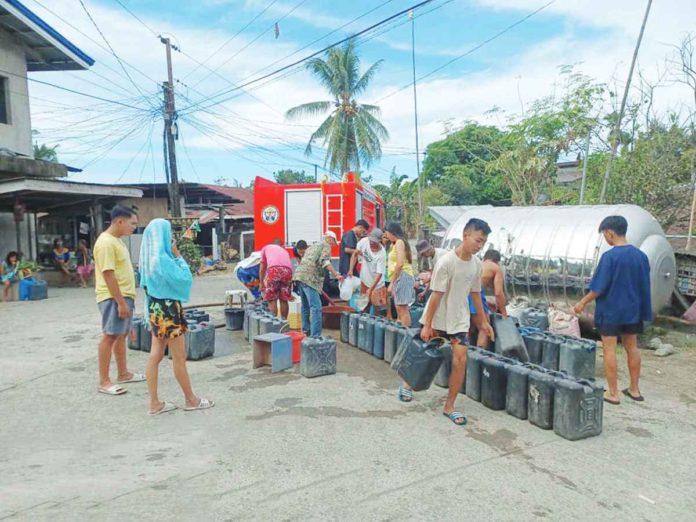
{"points": [[15, 136], [8, 235]]}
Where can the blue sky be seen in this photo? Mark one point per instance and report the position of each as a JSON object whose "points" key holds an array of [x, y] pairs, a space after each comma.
{"points": [[248, 136]]}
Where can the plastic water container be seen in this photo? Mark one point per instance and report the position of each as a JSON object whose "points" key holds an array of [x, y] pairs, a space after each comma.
{"points": [[472, 384], [541, 387], [295, 313], [234, 318], [31, 289], [536, 317], [248, 310], [578, 407], [144, 336], [508, 341], [200, 341], [403, 333], [370, 325], [353, 329], [535, 346], [199, 315], [578, 358], [416, 312], [391, 331], [255, 324], [318, 357], [362, 332], [551, 351], [378, 340], [297, 338], [443, 374], [420, 362], [494, 382], [345, 326], [516, 396], [134, 334], [266, 325]]}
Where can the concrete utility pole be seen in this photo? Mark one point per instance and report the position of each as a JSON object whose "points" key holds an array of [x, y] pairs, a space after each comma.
{"points": [[171, 131], [617, 128]]}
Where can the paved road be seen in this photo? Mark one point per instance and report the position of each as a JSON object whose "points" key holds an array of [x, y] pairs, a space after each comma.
{"points": [[281, 447]]}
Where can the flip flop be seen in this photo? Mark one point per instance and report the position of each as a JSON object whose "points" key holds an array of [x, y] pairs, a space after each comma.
{"points": [[204, 404], [456, 417], [627, 393], [612, 401], [405, 395], [166, 406], [137, 377], [114, 389]]}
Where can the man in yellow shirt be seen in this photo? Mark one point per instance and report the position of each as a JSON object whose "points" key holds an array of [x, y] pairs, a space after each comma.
{"points": [[115, 287]]}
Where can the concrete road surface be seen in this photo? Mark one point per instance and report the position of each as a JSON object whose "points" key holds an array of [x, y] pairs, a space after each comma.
{"points": [[282, 447]]}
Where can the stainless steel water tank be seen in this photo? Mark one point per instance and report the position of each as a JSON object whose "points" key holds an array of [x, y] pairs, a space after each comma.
{"points": [[549, 253]]}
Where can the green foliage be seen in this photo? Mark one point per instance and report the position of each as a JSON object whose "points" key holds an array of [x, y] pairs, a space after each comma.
{"points": [[352, 133], [190, 251], [292, 177], [46, 153]]}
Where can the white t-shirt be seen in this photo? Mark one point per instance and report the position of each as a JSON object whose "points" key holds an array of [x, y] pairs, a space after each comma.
{"points": [[439, 252], [456, 278], [371, 263]]}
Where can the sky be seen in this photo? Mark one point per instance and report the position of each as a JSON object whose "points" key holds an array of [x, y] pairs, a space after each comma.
{"points": [[232, 134]]}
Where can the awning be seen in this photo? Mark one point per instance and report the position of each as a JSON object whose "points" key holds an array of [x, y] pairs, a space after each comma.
{"points": [[46, 195]]}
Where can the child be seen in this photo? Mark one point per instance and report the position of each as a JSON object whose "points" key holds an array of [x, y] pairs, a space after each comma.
{"points": [[457, 274], [621, 287], [84, 263], [166, 279], [8, 273]]}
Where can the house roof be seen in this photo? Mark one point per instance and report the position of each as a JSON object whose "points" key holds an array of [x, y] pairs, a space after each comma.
{"points": [[212, 215], [246, 197], [47, 49]]}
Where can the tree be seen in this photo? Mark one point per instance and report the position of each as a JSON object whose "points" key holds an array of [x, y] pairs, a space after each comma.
{"points": [[292, 177], [45, 153], [352, 133]]}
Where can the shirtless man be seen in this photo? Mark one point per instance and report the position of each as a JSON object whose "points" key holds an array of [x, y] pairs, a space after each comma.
{"points": [[492, 281]]}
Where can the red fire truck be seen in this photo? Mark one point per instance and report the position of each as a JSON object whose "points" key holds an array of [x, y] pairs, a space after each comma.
{"points": [[306, 211]]}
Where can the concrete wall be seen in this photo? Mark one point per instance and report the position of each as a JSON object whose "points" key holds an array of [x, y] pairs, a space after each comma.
{"points": [[16, 135], [8, 236], [148, 208]]}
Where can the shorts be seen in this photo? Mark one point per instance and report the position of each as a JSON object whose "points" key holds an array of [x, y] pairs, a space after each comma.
{"points": [[461, 338], [278, 284], [112, 324], [85, 270], [403, 290], [472, 308], [615, 330], [166, 318]]}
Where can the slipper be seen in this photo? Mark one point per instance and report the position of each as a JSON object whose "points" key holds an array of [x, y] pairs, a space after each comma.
{"points": [[114, 389], [405, 395], [204, 404], [457, 418], [137, 377], [612, 401], [627, 393], [166, 406]]}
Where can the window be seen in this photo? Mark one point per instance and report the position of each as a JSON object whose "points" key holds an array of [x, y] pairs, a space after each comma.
{"points": [[4, 101]]}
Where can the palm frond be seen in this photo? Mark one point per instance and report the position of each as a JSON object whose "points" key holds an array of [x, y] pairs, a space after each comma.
{"points": [[361, 85], [309, 109]]}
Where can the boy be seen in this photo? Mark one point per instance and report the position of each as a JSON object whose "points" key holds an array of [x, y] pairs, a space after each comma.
{"points": [[447, 314], [115, 288], [621, 287], [373, 267], [349, 242], [493, 280]]}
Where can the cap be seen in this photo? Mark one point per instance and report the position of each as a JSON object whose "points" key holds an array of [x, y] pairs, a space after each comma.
{"points": [[376, 235], [331, 234], [423, 246]]}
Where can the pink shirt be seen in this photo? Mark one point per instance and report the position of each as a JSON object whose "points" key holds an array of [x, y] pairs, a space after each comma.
{"points": [[274, 255]]}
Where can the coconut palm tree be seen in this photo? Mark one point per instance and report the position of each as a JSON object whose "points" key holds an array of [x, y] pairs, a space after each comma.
{"points": [[352, 133]]}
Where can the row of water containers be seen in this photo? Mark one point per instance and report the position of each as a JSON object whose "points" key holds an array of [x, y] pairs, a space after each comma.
{"points": [[258, 321], [199, 337], [372, 334], [576, 357], [549, 399]]}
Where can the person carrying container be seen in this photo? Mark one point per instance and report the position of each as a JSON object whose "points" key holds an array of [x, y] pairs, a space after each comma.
{"points": [[621, 288], [492, 281], [447, 315], [309, 277], [401, 281], [349, 242], [275, 276], [373, 261]]}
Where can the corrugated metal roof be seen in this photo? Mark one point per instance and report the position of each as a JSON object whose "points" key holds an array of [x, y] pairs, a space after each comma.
{"points": [[445, 216]]}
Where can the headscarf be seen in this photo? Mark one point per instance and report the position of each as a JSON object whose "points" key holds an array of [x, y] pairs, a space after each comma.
{"points": [[163, 275]]}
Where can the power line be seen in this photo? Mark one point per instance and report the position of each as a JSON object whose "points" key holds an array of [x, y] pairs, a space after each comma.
{"points": [[309, 57], [136, 17]]}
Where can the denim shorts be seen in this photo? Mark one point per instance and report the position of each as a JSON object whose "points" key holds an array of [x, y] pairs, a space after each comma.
{"points": [[112, 324]]}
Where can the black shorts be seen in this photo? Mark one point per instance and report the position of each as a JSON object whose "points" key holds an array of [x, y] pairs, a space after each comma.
{"points": [[461, 338], [615, 330]]}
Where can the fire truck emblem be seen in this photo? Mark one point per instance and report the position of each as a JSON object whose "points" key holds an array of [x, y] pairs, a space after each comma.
{"points": [[270, 214]]}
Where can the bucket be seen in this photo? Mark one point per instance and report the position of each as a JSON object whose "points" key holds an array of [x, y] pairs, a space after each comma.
{"points": [[234, 318]]}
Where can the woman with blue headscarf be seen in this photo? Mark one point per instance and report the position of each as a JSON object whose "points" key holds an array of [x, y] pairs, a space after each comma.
{"points": [[167, 281]]}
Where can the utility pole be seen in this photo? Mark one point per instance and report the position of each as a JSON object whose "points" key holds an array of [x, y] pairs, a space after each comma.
{"points": [[585, 160], [171, 133], [617, 128], [415, 116], [316, 175]]}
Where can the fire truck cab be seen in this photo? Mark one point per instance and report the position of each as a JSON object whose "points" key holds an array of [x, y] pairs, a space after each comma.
{"points": [[305, 211]]}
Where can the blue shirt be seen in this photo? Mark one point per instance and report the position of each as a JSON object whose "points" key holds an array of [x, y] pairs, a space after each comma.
{"points": [[622, 278]]}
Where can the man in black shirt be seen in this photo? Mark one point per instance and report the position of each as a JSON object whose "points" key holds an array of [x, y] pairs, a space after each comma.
{"points": [[349, 242]]}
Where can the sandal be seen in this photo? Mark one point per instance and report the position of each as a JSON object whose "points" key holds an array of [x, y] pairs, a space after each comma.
{"points": [[627, 393], [405, 395], [611, 401], [137, 377], [114, 389], [166, 406], [204, 404], [457, 418]]}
